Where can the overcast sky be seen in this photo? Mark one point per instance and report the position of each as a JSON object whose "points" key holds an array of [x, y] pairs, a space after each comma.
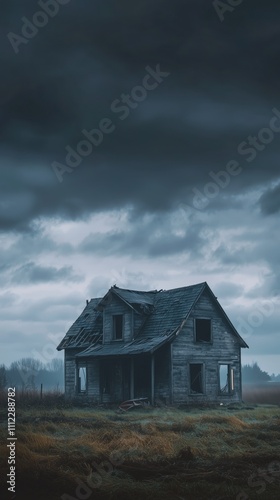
{"points": [[180, 183]]}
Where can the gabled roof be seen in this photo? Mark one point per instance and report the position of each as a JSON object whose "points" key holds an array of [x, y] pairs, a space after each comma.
{"points": [[171, 307], [140, 301], [165, 312]]}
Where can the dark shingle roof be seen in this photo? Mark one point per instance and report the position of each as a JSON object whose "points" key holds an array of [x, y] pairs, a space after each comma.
{"points": [[171, 307], [140, 301], [138, 346], [87, 328], [164, 310]]}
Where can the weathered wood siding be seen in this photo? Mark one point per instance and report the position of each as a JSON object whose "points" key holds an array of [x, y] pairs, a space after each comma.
{"points": [[223, 348], [92, 393], [93, 385], [70, 372], [117, 306], [137, 323]]}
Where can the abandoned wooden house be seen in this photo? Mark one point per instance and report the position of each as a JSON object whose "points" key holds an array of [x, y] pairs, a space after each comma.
{"points": [[171, 346]]}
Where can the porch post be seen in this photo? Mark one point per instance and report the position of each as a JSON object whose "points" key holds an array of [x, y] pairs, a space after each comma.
{"points": [[77, 380], [171, 373], [131, 378], [152, 379]]}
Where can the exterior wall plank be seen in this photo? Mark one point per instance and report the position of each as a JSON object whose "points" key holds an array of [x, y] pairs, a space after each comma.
{"points": [[223, 348]]}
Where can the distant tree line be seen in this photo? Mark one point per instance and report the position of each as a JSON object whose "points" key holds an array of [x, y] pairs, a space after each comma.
{"points": [[253, 374], [29, 374]]}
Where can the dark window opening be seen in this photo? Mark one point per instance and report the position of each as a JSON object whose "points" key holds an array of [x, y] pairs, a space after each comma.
{"points": [[82, 379], [203, 330], [118, 326], [142, 377], [196, 378], [226, 379], [106, 383], [106, 376]]}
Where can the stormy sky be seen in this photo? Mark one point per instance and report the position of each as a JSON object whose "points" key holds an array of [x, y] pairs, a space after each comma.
{"points": [[139, 147]]}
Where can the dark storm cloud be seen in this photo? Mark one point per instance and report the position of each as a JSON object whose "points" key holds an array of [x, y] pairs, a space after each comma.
{"points": [[222, 87], [270, 201], [227, 256], [32, 273]]}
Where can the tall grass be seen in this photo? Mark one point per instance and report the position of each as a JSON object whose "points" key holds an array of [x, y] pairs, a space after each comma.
{"points": [[150, 453], [32, 398], [267, 393]]}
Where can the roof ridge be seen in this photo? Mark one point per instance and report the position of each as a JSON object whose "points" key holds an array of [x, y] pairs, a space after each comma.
{"points": [[159, 291], [134, 291], [185, 287]]}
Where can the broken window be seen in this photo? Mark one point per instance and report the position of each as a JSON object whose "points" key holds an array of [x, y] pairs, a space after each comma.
{"points": [[82, 379], [118, 326], [226, 378], [196, 378], [203, 330]]}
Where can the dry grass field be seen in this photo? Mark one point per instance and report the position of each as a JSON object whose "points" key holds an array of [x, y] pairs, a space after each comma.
{"points": [[265, 393], [73, 453]]}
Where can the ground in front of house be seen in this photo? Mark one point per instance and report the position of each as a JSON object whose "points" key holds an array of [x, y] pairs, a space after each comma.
{"points": [[78, 454]]}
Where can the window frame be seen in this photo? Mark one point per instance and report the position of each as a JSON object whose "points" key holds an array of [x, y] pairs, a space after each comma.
{"points": [[78, 384], [203, 382], [115, 327], [230, 379], [206, 342]]}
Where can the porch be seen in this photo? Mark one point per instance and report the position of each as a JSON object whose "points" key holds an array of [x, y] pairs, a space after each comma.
{"points": [[127, 377]]}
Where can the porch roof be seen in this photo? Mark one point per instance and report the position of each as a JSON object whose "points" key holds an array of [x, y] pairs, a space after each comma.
{"points": [[117, 348]]}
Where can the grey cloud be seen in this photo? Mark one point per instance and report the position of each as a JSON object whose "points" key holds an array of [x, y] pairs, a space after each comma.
{"points": [[8, 299], [228, 290], [56, 310], [33, 273], [99, 286], [155, 237], [270, 201]]}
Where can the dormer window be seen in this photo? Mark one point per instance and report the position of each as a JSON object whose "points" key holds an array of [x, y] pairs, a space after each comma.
{"points": [[118, 327], [203, 330]]}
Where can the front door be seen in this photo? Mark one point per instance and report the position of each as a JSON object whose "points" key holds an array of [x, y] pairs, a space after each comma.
{"points": [[114, 380], [126, 379], [142, 377]]}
